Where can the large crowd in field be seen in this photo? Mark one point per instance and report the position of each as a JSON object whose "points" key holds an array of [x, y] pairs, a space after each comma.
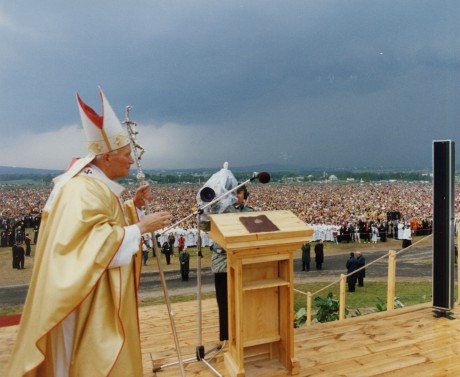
{"points": [[340, 208]]}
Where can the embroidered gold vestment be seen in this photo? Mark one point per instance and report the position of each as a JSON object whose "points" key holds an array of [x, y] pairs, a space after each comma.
{"points": [[77, 241]]}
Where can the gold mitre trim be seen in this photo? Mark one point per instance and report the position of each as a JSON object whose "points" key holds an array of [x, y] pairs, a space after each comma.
{"points": [[108, 144]]}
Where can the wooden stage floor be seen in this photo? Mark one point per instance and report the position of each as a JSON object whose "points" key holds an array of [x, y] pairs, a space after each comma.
{"points": [[405, 342]]}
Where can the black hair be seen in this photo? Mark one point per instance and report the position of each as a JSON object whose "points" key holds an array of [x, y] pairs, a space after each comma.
{"points": [[245, 190]]}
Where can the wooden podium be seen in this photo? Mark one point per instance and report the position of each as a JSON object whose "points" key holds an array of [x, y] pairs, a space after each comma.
{"points": [[260, 247]]}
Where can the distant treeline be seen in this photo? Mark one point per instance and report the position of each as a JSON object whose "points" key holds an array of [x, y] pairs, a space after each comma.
{"points": [[38, 178], [383, 176], [281, 176], [306, 177]]}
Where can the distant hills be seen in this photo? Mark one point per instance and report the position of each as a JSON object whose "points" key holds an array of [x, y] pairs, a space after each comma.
{"points": [[236, 169], [17, 176], [18, 170]]}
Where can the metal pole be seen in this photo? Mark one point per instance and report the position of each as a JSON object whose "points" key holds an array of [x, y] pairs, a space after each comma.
{"points": [[130, 125]]}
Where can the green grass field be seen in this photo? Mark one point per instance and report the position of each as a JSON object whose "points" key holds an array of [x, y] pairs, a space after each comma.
{"points": [[373, 293], [365, 299]]}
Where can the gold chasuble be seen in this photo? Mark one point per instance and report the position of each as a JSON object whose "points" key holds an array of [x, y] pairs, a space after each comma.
{"points": [[78, 239]]}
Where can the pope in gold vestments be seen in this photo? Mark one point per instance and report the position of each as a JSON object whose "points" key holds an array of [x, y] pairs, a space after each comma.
{"points": [[78, 239]]}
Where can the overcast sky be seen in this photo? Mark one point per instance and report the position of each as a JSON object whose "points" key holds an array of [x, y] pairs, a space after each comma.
{"points": [[330, 83]]}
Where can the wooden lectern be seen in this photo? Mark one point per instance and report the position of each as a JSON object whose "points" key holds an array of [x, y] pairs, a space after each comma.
{"points": [[260, 247]]}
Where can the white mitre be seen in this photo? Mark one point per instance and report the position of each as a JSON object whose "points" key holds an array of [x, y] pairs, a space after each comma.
{"points": [[104, 133]]}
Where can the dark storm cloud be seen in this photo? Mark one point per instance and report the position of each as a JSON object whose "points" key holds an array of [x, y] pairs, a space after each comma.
{"points": [[330, 83]]}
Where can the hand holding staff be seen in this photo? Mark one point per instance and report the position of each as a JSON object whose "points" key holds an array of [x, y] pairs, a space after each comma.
{"points": [[151, 222], [143, 195]]}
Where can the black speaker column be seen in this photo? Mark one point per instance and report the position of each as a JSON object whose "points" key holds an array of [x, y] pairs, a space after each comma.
{"points": [[443, 224]]}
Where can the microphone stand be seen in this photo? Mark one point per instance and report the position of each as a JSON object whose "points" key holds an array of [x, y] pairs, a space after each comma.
{"points": [[200, 353], [130, 125], [200, 350]]}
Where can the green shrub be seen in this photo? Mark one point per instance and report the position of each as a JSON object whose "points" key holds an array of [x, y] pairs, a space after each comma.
{"points": [[328, 308]]}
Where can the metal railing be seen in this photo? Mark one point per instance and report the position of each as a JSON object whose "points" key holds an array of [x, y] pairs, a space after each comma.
{"points": [[391, 283]]}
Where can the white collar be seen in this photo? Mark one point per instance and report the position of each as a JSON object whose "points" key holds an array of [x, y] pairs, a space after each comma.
{"points": [[95, 172], [62, 179]]}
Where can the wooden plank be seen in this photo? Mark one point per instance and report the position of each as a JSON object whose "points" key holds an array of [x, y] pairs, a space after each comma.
{"points": [[257, 258], [255, 342], [366, 346], [263, 284]]}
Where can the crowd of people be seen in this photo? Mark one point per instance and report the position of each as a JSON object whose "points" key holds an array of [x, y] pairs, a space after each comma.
{"points": [[337, 212], [20, 209]]}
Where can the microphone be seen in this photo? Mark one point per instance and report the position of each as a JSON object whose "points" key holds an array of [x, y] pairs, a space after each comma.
{"points": [[263, 177]]}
